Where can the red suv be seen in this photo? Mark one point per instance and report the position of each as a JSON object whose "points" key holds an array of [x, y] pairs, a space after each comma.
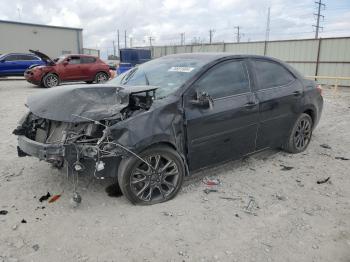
{"points": [[67, 68]]}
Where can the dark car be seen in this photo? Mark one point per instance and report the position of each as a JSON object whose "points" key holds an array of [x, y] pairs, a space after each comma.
{"points": [[68, 68], [14, 64], [160, 121]]}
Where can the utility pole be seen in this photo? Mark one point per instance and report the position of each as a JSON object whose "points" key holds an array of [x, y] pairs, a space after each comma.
{"points": [[125, 38], [211, 33], [238, 34], [150, 38], [118, 41], [318, 15], [182, 38], [267, 34], [113, 48]]}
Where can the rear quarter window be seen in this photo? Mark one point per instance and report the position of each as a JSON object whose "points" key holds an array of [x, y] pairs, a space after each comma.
{"points": [[87, 60], [271, 74]]}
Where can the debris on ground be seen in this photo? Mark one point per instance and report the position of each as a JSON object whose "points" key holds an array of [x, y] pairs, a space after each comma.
{"points": [[54, 198], [3, 212], [211, 182], [286, 168], [168, 214], [280, 197], [45, 197], [209, 190], [23, 221], [35, 247], [322, 181], [252, 205], [342, 158], [231, 198], [326, 146]]}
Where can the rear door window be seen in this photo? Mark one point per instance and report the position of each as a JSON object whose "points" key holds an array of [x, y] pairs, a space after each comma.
{"points": [[270, 74], [73, 60], [87, 60], [225, 79]]}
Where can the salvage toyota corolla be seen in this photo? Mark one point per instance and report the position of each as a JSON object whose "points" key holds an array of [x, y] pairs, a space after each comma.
{"points": [[156, 123]]}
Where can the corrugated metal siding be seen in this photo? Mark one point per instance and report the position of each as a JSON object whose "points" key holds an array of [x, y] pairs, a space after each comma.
{"points": [[301, 54], [52, 41]]}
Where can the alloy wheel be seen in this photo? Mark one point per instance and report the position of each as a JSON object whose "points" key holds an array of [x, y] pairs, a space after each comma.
{"points": [[101, 78], [155, 181], [51, 81], [302, 134]]}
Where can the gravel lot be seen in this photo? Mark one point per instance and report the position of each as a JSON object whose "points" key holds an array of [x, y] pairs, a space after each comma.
{"points": [[292, 217]]}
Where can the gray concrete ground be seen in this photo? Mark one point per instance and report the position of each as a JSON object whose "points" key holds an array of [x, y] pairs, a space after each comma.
{"points": [[292, 217]]}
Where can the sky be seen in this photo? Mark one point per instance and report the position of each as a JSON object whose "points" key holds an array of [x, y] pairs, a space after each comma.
{"points": [[164, 20]]}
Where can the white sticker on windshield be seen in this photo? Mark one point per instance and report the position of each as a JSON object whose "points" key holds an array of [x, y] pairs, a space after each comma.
{"points": [[182, 69]]}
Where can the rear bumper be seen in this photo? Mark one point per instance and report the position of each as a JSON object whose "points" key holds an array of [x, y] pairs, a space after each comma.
{"points": [[47, 152]]}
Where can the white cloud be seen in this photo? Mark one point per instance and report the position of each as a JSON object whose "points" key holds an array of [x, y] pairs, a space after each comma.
{"points": [[166, 19]]}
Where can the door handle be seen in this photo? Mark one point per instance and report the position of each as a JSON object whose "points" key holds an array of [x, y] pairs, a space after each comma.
{"points": [[250, 105], [297, 93]]}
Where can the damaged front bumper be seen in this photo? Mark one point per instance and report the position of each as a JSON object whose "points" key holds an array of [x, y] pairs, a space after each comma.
{"points": [[47, 152]]}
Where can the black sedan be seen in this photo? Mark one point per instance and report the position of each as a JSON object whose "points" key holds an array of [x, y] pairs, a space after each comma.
{"points": [[158, 122]]}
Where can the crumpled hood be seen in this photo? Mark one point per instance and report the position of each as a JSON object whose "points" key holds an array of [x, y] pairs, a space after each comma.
{"points": [[96, 102]]}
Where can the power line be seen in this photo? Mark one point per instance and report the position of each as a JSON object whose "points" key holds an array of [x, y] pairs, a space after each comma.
{"points": [[318, 15]]}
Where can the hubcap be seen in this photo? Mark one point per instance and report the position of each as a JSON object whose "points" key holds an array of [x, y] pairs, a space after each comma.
{"points": [[302, 134], [52, 81], [154, 182], [101, 78]]}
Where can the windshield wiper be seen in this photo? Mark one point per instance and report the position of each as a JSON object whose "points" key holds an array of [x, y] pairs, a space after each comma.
{"points": [[147, 81]]}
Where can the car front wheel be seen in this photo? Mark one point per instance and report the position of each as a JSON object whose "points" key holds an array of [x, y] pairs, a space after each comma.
{"points": [[101, 77], [51, 80], [300, 135], [155, 179]]}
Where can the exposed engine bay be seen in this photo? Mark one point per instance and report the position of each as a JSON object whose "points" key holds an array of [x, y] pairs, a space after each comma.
{"points": [[88, 140]]}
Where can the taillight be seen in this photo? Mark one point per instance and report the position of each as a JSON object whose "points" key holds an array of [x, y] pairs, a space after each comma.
{"points": [[319, 89]]}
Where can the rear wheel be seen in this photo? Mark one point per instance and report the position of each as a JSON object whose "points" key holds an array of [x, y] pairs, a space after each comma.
{"points": [[156, 181], [101, 77], [50, 80], [89, 82], [300, 135]]}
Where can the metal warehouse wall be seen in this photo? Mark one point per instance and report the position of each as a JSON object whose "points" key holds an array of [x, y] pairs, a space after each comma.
{"points": [[322, 57], [54, 41]]}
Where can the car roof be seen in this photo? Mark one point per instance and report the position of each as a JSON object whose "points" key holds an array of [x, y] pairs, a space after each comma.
{"points": [[208, 56], [19, 54], [81, 55]]}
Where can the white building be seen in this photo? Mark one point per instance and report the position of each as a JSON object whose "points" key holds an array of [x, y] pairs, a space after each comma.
{"points": [[51, 40]]}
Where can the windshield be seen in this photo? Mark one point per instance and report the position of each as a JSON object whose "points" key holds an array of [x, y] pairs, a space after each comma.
{"points": [[168, 74]]}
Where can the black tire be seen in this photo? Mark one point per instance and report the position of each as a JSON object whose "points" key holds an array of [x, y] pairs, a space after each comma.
{"points": [[300, 135], [143, 186], [89, 82], [50, 80], [101, 77]]}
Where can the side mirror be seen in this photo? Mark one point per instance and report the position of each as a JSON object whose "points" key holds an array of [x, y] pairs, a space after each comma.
{"points": [[65, 63], [202, 99]]}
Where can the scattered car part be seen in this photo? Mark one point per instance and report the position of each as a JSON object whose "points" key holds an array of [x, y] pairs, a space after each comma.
{"points": [[286, 168], [3, 212], [45, 197], [326, 146], [341, 158], [322, 181]]}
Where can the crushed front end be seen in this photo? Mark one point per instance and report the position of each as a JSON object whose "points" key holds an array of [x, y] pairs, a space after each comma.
{"points": [[85, 146]]}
